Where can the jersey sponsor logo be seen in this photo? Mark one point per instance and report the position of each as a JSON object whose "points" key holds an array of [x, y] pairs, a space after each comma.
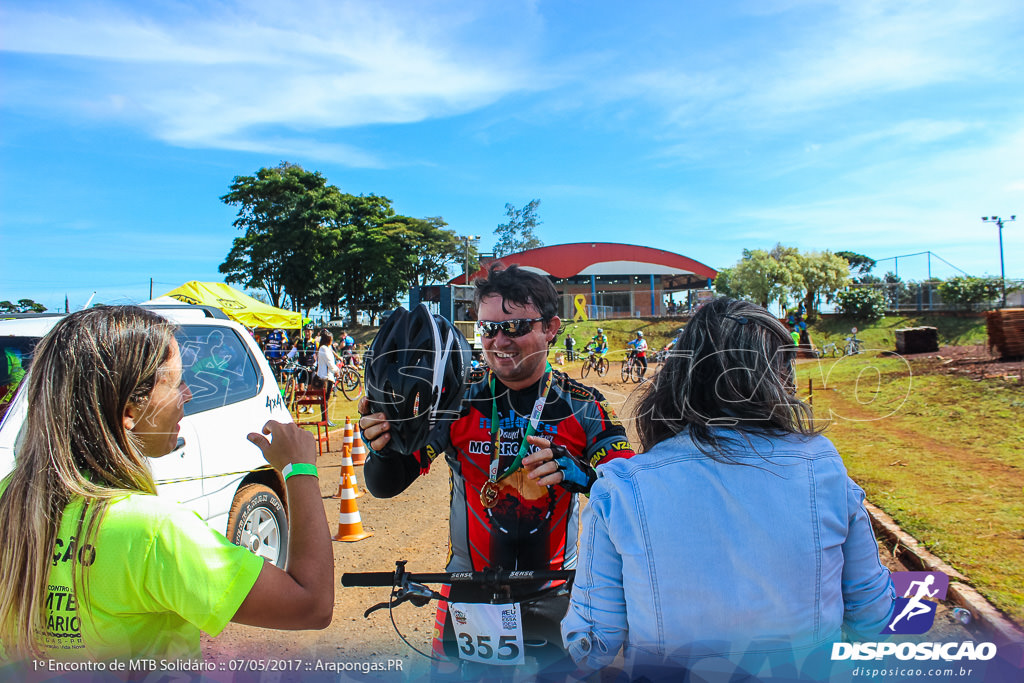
{"points": [[485, 448], [612, 417], [581, 392]]}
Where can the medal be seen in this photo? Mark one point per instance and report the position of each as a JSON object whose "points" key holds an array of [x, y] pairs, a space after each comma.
{"points": [[489, 494]]}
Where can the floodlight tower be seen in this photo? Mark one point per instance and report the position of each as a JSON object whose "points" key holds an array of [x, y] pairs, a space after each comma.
{"points": [[470, 239], [1002, 268]]}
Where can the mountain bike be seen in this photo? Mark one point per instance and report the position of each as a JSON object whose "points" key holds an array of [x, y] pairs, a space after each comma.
{"points": [[829, 349], [851, 347], [350, 382], [631, 368], [489, 634], [852, 344], [594, 362], [290, 372]]}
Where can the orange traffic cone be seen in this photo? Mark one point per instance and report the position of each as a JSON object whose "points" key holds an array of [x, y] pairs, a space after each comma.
{"points": [[346, 436], [350, 524], [358, 450], [348, 475]]}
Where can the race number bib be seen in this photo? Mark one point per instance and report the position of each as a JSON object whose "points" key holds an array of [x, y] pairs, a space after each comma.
{"points": [[489, 634]]}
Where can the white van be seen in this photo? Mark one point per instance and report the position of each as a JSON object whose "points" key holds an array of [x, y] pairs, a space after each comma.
{"points": [[214, 470]]}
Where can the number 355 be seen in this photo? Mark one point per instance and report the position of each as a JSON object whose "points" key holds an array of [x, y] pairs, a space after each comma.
{"points": [[507, 647]]}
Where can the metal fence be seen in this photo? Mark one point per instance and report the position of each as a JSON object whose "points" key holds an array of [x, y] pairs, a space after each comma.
{"points": [[923, 297]]}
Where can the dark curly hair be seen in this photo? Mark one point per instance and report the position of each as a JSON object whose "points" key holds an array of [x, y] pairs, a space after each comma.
{"points": [[518, 286]]}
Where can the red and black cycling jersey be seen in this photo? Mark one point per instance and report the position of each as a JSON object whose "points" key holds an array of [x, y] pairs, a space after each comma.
{"points": [[531, 526]]}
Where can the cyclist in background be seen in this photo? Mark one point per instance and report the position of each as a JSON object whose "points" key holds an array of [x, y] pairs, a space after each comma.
{"points": [[274, 350], [599, 342], [348, 348], [305, 355], [640, 349]]}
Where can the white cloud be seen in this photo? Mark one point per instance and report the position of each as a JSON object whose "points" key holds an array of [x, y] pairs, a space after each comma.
{"points": [[228, 74]]}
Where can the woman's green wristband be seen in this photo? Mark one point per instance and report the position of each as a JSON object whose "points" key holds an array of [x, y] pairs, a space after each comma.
{"points": [[293, 468]]}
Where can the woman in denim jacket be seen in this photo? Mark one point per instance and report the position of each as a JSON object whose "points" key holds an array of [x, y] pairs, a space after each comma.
{"points": [[736, 542]]}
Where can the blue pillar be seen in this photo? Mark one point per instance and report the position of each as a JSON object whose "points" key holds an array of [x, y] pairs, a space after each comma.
{"points": [[654, 311], [447, 304], [593, 292]]}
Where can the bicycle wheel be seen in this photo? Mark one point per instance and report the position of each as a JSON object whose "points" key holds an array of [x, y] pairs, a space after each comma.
{"points": [[635, 373], [602, 367], [627, 370], [290, 387], [585, 368], [351, 383]]}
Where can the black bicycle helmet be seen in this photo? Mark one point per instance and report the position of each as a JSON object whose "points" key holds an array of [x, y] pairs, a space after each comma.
{"points": [[416, 374]]}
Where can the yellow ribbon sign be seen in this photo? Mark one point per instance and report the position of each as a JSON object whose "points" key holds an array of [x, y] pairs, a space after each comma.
{"points": [[581, 307]]}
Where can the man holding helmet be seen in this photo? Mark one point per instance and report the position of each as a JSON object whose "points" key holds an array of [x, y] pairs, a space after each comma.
{"points": [[523, 445]]}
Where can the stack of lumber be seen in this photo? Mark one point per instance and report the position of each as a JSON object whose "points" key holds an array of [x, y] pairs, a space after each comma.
{"points": [[1006, 331], [917, 340]]}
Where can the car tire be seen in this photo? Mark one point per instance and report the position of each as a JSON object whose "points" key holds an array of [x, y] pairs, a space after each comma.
{"points": [[257, 521]]}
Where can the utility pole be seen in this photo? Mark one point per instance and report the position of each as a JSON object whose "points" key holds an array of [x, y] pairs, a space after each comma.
{"points": [[1002, 267], [469, 239]]}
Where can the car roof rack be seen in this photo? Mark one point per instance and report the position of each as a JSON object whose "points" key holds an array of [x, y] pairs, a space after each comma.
{"points": [[208, 311]]}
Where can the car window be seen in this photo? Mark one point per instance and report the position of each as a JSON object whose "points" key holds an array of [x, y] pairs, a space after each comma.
{"points": [[15, 358], [217, 367]]}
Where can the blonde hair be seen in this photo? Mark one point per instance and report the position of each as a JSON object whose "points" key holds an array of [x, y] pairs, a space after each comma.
{"points": [[84, 374]]}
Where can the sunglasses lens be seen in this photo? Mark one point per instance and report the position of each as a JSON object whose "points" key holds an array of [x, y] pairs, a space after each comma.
{"points": [[510, 328]]}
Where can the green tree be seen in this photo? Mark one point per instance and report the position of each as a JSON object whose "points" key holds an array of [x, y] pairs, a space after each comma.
{"points": [[766, 276], [861, 304], [436, 249], [963, 291], [822, 274], [724, 283], [367, 261], [518, 234], [860, 265], [23, 306], [281, 211]]}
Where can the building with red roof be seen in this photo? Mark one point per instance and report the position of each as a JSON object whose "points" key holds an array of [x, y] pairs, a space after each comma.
{"points": [[614, 280]]}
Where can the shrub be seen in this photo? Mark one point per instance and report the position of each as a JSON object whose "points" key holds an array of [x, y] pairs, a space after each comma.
{"points": [[963, 291], [863, 304]]}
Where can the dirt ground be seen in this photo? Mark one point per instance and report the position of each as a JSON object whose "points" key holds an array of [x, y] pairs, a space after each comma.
{"points": [[977, 362], [413, 527]]}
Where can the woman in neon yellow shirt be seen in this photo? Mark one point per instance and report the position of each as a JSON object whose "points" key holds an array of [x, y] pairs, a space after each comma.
{"points": [[95, 566]]}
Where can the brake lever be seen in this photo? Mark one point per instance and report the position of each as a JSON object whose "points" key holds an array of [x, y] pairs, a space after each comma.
{"points": [[379, 605], [415, 593]]}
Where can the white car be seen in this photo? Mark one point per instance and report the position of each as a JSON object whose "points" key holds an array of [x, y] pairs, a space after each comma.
{"points": [[214, 469]]}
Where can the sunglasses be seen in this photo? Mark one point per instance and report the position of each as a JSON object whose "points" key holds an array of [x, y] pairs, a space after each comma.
{"points": [[511, 328]]}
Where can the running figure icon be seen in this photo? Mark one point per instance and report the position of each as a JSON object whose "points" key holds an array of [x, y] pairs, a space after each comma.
{"points": [[914, 606]]}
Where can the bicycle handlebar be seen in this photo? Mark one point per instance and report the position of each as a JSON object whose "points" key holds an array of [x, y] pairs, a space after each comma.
{"points": [[486, 577]]}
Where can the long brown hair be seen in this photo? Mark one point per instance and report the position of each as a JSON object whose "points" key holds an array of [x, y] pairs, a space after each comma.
{"points": [[732, 366], [84, 374]]}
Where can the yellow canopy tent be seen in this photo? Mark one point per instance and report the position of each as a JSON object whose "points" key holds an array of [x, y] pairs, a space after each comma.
{"points": [[238, 306]]}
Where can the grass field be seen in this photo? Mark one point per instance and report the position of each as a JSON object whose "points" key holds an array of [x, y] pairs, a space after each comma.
{"points": [[942, 454]]}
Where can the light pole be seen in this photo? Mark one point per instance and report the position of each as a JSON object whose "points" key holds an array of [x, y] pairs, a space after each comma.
{"points": [[469, 240], [1002, 268]]}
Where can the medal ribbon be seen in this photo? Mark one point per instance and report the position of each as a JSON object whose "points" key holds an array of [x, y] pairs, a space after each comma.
{"points": [[538, 408]]}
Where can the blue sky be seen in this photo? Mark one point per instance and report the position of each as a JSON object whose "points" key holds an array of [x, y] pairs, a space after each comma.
{"points": [[885, 128]]}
